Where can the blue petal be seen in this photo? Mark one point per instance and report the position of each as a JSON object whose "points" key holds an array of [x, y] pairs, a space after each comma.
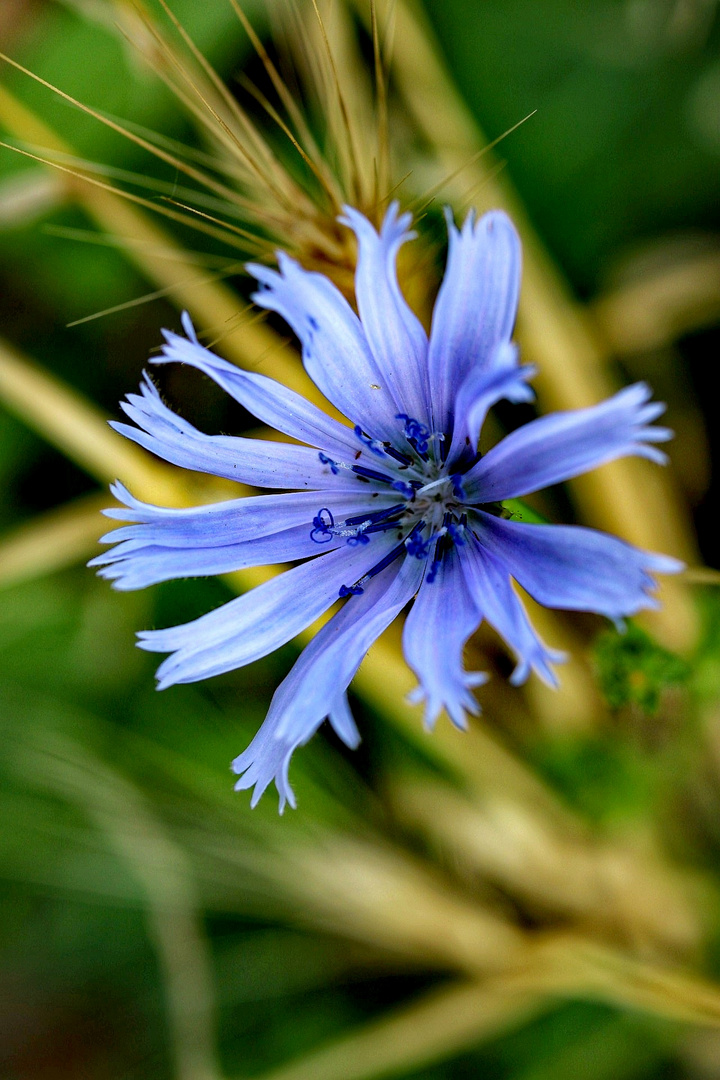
{"points": [[568, 566], [483, 388], [249, 461], [336, 353], [476, 306], [218, 538], [440, 622], [237, 520], [265, 398], [316, 684], [557, 447], [262, 620], [131, 567], [343, 722], [489, 583], [267, 758], [396, 338]]}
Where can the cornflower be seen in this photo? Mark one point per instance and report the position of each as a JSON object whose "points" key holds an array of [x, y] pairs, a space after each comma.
{"points": [[398, 507]]}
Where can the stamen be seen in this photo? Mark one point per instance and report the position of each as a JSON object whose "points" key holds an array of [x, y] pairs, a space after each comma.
{"points": [[354, 528], [457, 533], [395, 553], [350, 590], [404, 460], [432, 485], [335, 466], [458, 490], [416, 433], [323, 525], [434, 567], [417, 547], [408, 490], [378, 515], [371, 474], [450, 533], [373, 445]]}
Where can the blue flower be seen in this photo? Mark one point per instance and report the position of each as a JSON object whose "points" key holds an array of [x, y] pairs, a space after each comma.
{"points": [[399, 506]]}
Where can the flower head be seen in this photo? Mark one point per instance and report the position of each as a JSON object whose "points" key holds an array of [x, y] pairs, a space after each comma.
{"points": [[397, 507]]}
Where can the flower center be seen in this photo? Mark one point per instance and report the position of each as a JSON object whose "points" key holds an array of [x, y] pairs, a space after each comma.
{"points": [[432, 516]]}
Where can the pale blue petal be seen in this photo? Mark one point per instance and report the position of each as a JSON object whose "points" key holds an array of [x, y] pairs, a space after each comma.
{"points": [[249, 461], [336, 353], [440, 622], [220, 537], [130, 566], [489, 583], [343, 722], [265, 398], [483, 388], [237, 520], [262, 620], [568, 566], [557, 447], [395, 335], [314, 687], [476, 306]]}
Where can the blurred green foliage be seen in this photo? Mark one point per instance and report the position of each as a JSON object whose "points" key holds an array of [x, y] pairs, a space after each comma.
{"points": [[634, 670]]}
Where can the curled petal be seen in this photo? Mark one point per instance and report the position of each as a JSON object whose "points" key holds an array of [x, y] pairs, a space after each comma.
{"points": [[565, 444], [482, 389], [476, 306]]}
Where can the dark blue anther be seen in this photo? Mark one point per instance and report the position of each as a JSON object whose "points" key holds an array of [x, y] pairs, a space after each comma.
{"points": [[373, 445], [434, 567], [389, 558], [383, 526], [378, 515], [371, 474], [417, 434], [416, 546], [356, 541], [323, 524], [350, 590], [325, 460], [441, 547], [457, 534], [404, 460], [397, 551]]}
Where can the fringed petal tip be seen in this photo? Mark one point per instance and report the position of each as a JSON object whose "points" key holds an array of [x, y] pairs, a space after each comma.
{"points": [[395, 228], [539, 660], [457, 702], [265, 760], [472, 225]]}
